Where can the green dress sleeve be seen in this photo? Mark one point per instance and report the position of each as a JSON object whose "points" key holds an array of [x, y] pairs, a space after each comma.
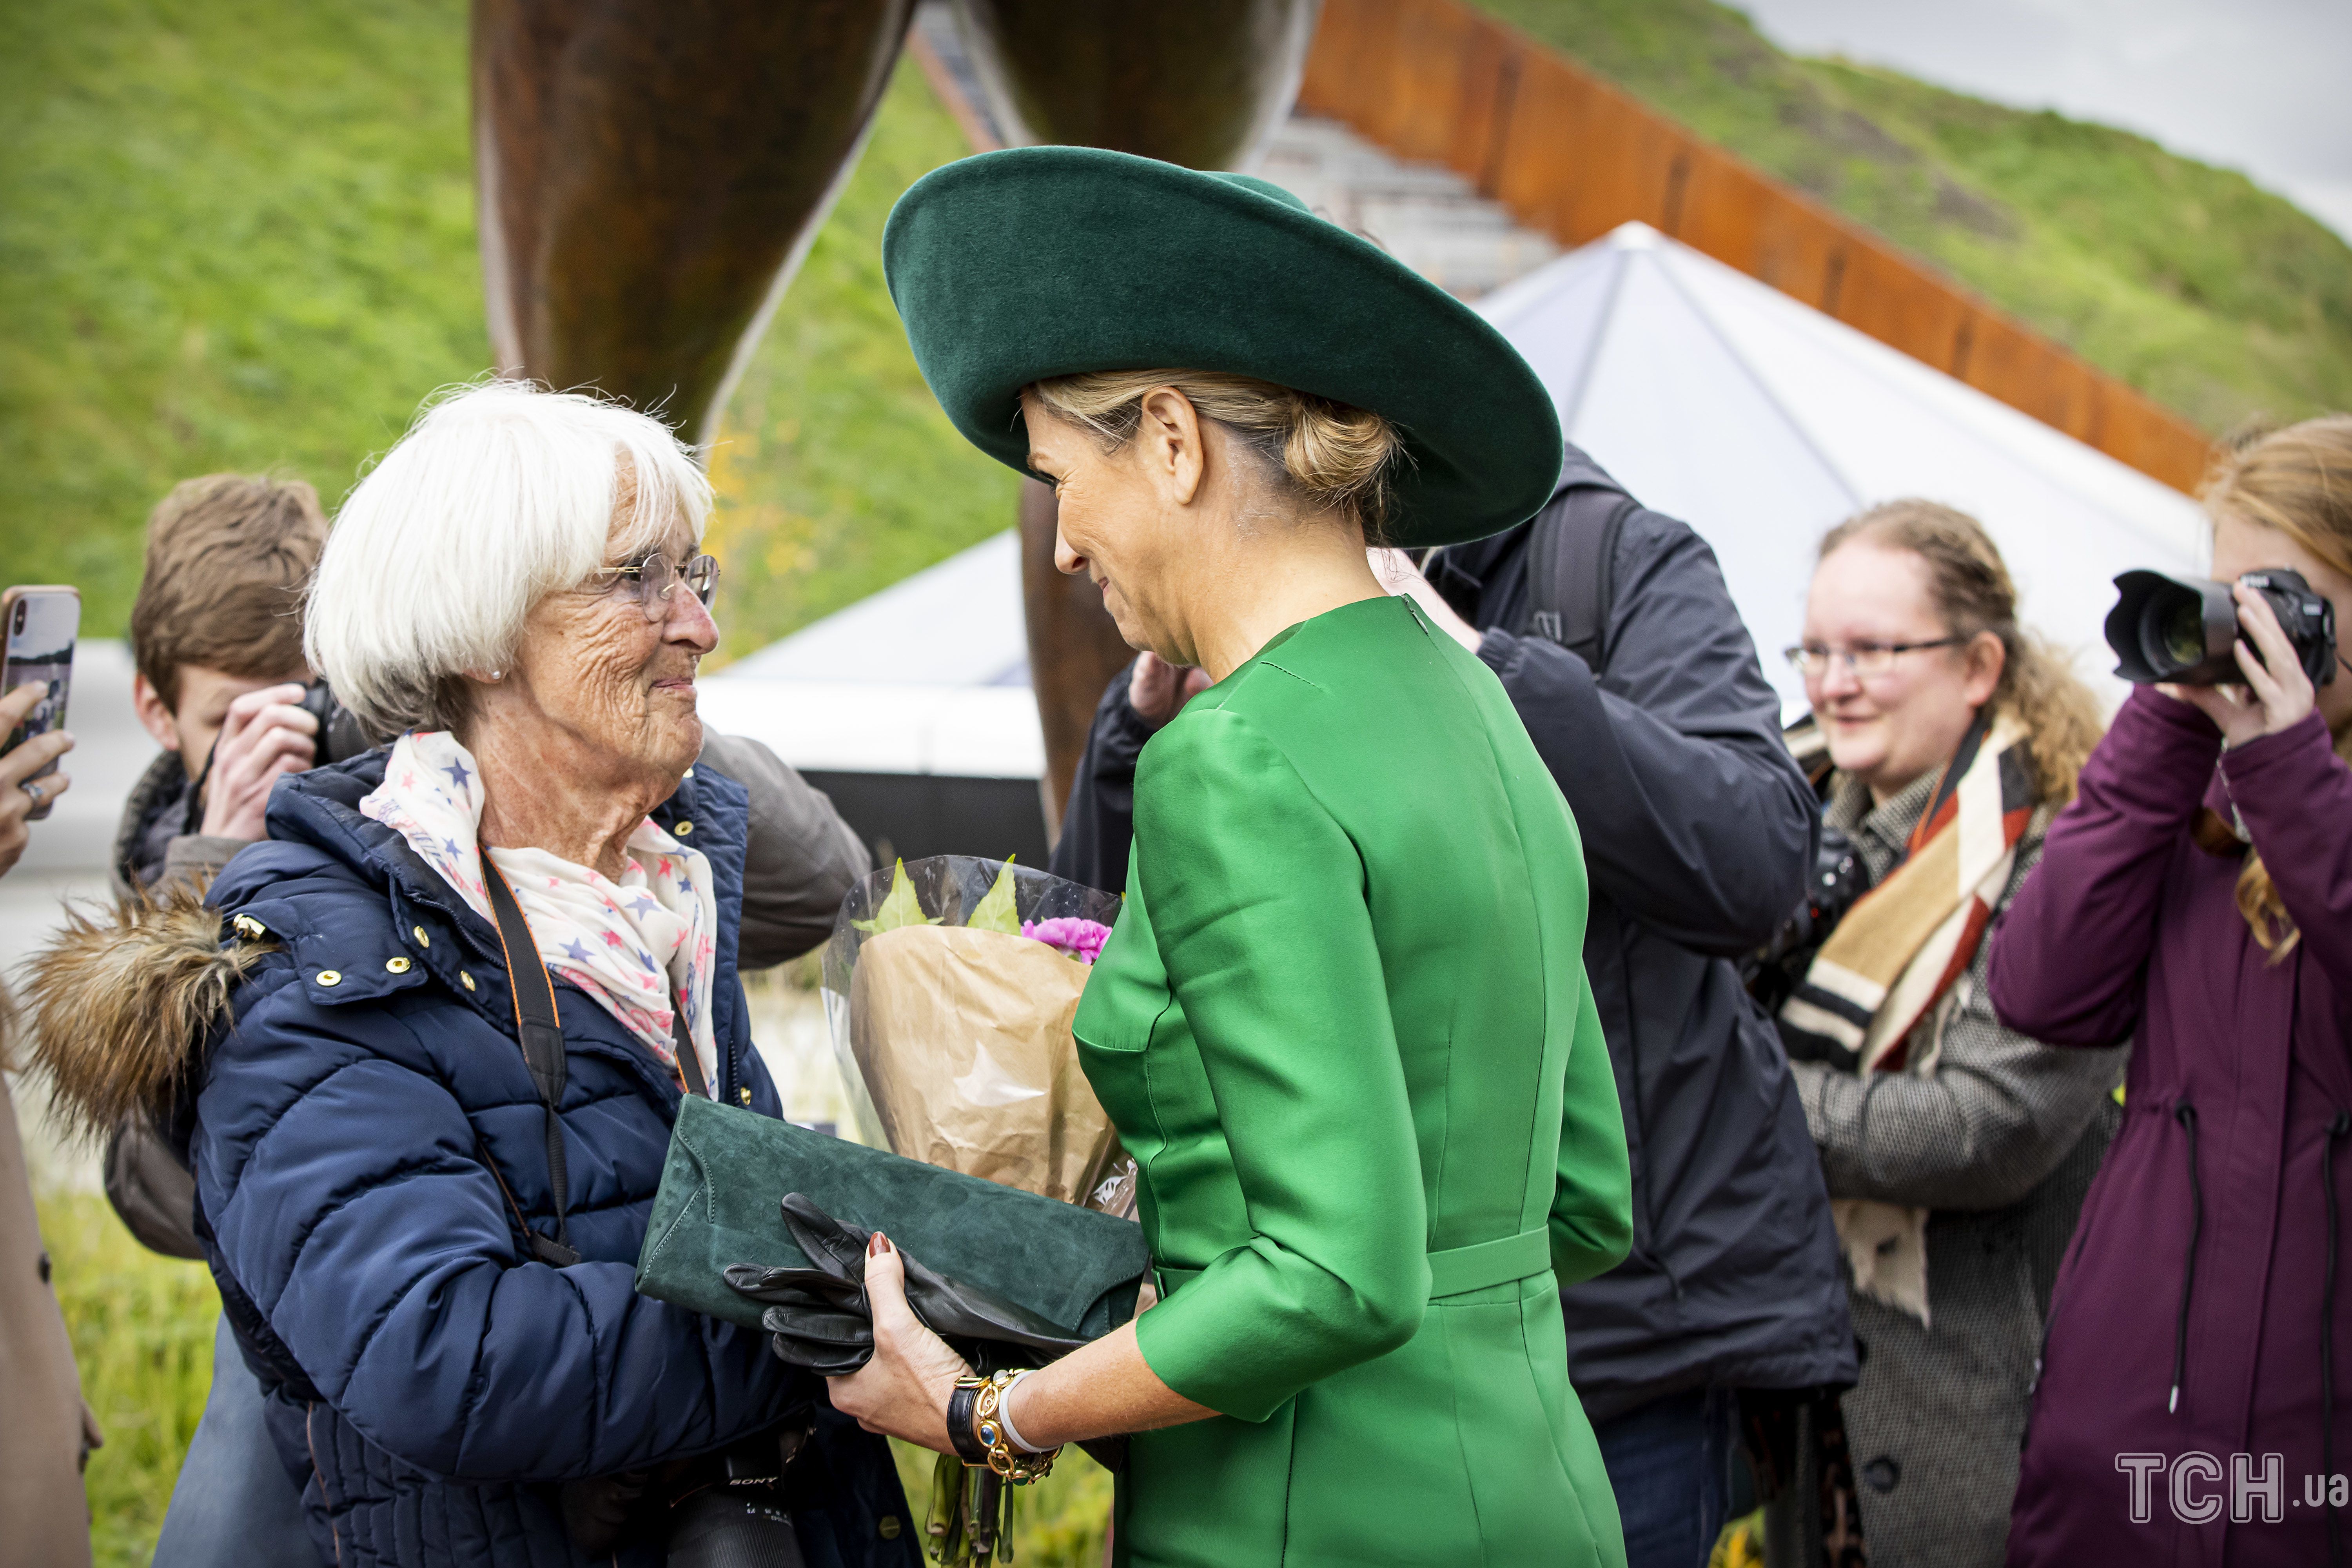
{"points": [[1592, 1206], [1256, 895]]}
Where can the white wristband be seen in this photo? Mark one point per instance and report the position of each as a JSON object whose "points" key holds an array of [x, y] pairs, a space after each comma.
{"points": [[1005, 1415]]}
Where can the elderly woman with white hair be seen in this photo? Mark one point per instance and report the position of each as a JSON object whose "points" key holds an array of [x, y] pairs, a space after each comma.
{"points": [[439, 1026]]}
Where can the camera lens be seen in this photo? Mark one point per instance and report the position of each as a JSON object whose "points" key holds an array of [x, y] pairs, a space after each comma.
{"points": [[2181, 632], [18, 625]]}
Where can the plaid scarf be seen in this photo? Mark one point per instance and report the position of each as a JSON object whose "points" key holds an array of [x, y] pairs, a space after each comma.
{"points": [[1892, 962]]}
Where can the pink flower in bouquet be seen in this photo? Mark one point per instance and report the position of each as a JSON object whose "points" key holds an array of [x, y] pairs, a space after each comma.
{"points": [[1081, 939]]}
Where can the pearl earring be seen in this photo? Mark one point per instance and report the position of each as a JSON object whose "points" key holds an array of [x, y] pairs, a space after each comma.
{"points": [[498, 675]]}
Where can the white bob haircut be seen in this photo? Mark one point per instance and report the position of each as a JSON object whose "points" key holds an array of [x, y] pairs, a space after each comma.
{"points": [[500, 494]]}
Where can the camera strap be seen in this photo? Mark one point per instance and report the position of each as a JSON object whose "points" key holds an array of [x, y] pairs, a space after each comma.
{"points": [[540, 1029], [193, 818], [690, 1060]]}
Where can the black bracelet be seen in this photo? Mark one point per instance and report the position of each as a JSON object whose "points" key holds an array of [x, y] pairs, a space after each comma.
{"points": [[967, 1446]]}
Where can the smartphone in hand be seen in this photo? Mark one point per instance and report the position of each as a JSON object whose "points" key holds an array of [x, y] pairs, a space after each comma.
{"points": [[42, 625]]}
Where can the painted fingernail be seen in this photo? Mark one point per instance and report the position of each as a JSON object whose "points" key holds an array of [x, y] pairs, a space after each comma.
{"points": [[880, 1245]]}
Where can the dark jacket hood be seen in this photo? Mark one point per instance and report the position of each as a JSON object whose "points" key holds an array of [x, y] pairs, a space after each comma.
{"points": [[156, 812]]}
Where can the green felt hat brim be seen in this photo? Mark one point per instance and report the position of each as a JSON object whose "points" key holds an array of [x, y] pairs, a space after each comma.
{"points": [[1011, 267]]}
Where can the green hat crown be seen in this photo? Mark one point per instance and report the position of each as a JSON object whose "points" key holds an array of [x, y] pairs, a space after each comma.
{"points": [[1013, 266]]}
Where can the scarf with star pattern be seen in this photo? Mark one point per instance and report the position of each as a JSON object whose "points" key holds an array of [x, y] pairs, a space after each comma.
{"points": [[637, 944]]}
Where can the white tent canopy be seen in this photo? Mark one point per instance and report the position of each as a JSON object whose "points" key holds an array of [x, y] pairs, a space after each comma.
{"points": [[928, 676], [1762, 422], [955, 624]]}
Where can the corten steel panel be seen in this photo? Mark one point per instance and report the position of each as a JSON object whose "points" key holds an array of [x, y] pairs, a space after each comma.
{"points": [[1573, 155], [1202, 85], [1483, 89], [2140, 431], [1882, 293], [1732, 212], [1342, 41], [1427, 104], [1573, 159], [1354, 78], [650, 173], [2023, 370]]}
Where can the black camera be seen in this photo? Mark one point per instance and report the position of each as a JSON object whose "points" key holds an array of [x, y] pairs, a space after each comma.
{"points": [[1840, 878], [732, 1509], [339, 737], [2185, 629]]}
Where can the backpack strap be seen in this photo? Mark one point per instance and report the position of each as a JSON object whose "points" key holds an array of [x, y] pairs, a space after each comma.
{"points": [[1571, 568], [542, 1030]]}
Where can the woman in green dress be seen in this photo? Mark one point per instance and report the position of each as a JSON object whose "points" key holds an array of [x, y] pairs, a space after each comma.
{"points": [[1342, 1024]]}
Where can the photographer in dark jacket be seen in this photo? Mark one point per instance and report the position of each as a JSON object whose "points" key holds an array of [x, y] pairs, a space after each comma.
{"points": [[1611, 630]]}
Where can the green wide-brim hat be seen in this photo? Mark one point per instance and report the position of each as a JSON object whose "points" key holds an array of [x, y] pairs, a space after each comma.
{"points": [[1033, 262]]}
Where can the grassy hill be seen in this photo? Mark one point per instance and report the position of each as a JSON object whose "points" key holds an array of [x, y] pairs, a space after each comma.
{"points": [[235, 234], [2190, 282], [239, 234]]}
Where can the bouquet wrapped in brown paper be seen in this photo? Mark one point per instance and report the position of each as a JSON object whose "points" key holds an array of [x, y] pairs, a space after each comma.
{"points": [[950, 984]]}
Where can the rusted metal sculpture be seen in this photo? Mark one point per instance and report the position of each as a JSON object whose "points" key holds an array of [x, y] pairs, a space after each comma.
{"points": [[1204, 85], [651, 172], [1074, 648]]}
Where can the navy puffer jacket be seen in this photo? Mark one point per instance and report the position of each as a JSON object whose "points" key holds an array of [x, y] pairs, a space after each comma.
{"points": [[429, 1383]]}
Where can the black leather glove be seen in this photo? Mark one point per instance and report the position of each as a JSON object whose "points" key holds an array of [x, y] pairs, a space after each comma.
{"points": [[818, 1317]]}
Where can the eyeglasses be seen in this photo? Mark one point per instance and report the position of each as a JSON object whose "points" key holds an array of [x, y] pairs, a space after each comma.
{"points": [[648, 583], [1867, 660]]}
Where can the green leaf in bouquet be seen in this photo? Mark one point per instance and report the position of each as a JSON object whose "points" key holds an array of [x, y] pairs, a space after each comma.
{"points": [[901, 909], [997, 911]]}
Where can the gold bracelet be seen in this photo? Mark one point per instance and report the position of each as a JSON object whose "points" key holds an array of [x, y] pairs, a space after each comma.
{"points": [[988, 1426]]}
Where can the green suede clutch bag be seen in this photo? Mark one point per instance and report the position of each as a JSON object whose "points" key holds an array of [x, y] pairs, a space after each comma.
{"points": [[729, 1170]]}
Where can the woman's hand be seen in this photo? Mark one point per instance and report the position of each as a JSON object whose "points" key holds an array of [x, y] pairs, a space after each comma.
{"points": [[1398, 574], [903, 1390], [1159, 689], [2277, 694], [21, 764]]}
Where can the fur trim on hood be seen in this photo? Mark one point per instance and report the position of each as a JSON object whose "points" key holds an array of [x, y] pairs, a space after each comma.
{"points": [[123, 999]]}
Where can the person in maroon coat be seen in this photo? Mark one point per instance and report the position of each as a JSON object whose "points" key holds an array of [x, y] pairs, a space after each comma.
{"points": [[2197, 899]]}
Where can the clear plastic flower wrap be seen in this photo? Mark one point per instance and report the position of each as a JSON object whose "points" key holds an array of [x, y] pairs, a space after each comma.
{"points": [[950, 984]]}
